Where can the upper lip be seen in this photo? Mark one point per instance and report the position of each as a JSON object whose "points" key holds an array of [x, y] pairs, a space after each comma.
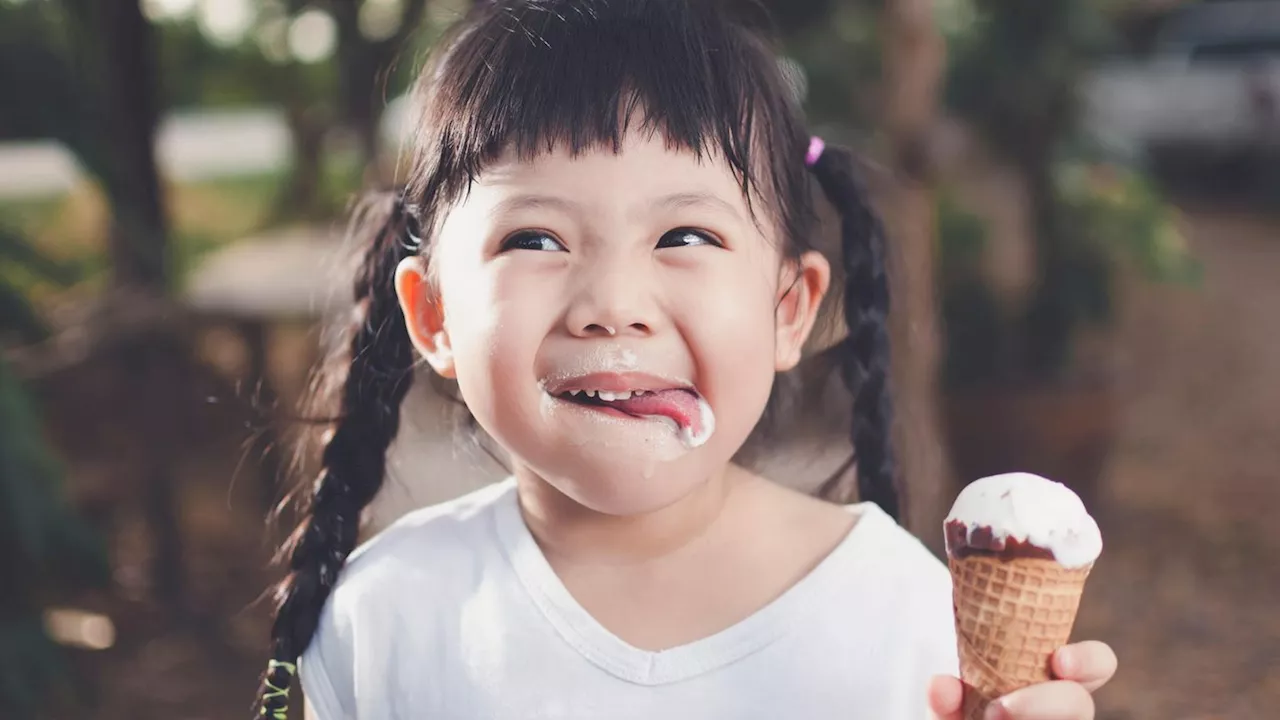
{"points": [[615, 383]]}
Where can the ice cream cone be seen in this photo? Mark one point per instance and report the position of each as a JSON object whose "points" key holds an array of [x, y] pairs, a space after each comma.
{"points": [[1020, 548], [1011, 616]]}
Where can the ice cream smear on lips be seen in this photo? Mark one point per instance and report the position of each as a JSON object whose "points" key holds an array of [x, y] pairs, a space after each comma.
{"points": [[611, 382], [1023, 515], [684, 409]]}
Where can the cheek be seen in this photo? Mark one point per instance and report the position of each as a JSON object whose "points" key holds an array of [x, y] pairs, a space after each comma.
{"points": [[734, 308], [729, 322], [494, 327]]}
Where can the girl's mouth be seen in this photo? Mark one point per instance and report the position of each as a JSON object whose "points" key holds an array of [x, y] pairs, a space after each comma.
{"points": [[684, 408]]}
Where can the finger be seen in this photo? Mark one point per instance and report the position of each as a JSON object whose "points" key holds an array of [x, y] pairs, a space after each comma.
{"points": [[945, 696], [1090, 663], [1056, 700]]}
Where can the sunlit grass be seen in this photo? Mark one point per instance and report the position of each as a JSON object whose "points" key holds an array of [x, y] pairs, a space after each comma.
{"points": [[204, 216], [75, 226]]}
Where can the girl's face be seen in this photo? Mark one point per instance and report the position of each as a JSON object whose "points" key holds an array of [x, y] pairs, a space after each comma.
{"points": [[642, 271]]}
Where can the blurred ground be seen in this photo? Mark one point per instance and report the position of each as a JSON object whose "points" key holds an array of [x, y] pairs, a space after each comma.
{"points": [[1186, 590], [1188, 584]]}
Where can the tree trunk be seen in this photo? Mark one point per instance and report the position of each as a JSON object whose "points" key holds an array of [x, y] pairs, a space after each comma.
{"points": [[301, 196], [357, 76], [116, 54], [913, 64], [153, 368], [127, 109]]}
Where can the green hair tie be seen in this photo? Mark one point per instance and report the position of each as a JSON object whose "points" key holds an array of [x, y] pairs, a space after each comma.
{"points": [[274, 691]]}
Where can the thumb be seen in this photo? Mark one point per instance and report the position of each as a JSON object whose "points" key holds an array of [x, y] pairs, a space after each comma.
{"points": [[945, 697]]}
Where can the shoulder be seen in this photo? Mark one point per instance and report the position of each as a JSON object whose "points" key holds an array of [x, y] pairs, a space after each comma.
{"points": [[882, 623], [905, 570], [909, 584], [876, 542], [427, 559], [428, 541], [885, 568], [900, 553], [421, 564]]}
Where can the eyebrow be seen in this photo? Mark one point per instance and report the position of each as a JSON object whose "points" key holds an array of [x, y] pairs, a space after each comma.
{"points": [[674, 201], [677, 201], [535, 202]]}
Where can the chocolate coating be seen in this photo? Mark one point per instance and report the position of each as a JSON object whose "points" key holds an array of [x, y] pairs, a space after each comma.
{"points": [[982, 541]]}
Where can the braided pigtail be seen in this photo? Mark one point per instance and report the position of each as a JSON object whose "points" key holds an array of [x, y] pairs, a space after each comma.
{"points": [[864, 353], [378, 375]]}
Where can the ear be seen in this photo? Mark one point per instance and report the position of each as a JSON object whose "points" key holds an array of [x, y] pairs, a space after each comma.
{"points": [[803, 285], [424, 315]]}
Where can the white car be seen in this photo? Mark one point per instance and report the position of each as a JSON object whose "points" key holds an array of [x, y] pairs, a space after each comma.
{"points": [[1211, 89]]}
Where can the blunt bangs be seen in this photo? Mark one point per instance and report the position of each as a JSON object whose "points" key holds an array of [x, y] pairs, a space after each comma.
{"points": [[530, 77]]}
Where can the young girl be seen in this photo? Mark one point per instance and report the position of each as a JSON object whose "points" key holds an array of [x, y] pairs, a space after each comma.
{"points": [[606, 244]]}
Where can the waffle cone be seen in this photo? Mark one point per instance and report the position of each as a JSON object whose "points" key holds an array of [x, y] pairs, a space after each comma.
{"points": [[1011, 615]]}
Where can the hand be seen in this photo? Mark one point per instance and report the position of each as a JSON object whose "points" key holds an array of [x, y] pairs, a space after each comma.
{"points": [[1080, 668]]}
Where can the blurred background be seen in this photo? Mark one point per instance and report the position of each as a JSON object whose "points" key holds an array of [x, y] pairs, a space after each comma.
{"points": [[1084, 199]]}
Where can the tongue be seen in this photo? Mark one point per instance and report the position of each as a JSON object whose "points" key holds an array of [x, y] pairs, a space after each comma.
{"points": [[679, 405]]}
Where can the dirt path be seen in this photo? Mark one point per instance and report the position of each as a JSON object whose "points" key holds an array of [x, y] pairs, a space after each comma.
{"points": [[1189, 585]]}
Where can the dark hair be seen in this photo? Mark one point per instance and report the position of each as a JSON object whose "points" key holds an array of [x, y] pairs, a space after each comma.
{"points": [[702, 73]]}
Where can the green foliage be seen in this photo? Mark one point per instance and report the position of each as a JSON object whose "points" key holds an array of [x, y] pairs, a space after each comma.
{"points": [[48, 551], [195, 73], [34, 66], [1015, 68], [1114, 218], [1116, 209], [21, 265], [53, 550], [1016, 71]]}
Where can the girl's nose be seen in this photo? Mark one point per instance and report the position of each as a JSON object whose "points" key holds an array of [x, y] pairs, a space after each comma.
{"points": [[612, 304]]}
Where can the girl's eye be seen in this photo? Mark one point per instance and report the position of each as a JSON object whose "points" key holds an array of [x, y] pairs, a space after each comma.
{"points": [[533, 240], [686, 237]]}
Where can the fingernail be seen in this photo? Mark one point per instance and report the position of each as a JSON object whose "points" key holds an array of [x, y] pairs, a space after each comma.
{"points": [[996, 711], [1067, 662]]}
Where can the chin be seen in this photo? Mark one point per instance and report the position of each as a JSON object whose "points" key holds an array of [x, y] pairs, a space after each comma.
{"points": [[611, 486]]}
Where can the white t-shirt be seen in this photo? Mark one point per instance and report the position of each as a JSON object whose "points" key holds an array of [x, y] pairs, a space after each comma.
{"points": [[453, 613]]}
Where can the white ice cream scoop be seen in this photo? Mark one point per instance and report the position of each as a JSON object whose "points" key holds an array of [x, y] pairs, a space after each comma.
{"points": [[1004, 512]]}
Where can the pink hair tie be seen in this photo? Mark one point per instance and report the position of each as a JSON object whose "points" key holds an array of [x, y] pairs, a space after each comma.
{"points": [[816, 146]]}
